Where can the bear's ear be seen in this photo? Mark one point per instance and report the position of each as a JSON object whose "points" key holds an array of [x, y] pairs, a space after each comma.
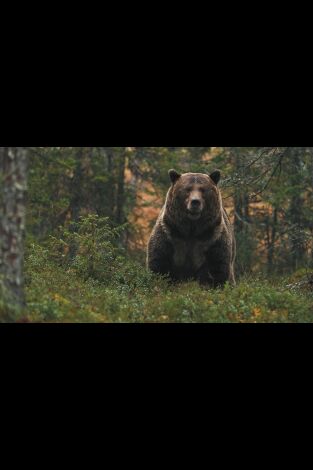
{"points": [[216, 176], [174, 176]]}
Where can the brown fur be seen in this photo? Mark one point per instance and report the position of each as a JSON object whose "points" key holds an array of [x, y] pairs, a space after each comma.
{"points": [[193, 237]]}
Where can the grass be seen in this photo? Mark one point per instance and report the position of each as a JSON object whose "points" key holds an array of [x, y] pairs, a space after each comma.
{"points": [[58, 295], [101, 284]]}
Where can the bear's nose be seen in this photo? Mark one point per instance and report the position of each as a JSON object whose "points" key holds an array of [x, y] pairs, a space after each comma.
{"points": [[195, 203]]}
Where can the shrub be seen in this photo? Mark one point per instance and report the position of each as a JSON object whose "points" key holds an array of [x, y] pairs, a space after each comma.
{"points": [[89, 247], [85, 276]]}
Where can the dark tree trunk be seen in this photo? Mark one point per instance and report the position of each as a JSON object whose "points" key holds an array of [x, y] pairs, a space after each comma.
{"points": [[296, 210], [13, 184], [120, 200], [239, 202], [76, 202], [111, 189], [76, 189], [271, 240], [241, 214]]}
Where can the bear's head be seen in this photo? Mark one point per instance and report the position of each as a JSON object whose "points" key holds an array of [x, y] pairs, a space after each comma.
{"points": [[195, 196]]}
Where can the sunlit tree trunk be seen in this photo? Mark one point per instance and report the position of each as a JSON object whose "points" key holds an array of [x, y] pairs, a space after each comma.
{"points": [[13, 181]]}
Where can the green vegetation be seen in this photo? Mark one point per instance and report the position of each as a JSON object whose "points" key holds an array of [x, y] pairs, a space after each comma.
{"points": [[89, 212], [58, 295], [100, 284]]}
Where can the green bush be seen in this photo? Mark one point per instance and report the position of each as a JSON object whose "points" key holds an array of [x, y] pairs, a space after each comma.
{"points": [[89, 247], [85, 276], [58, 295]]}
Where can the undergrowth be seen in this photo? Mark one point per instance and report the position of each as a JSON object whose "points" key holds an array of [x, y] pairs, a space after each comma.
{"points": [[83, 275]]}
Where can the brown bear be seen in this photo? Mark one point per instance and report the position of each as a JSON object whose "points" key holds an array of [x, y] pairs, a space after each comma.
{"points": [[193, 238]]}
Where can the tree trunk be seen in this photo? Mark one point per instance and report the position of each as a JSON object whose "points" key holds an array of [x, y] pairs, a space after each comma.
{"points": [[76, 189], [241, 215], [76, 202], [13, 184], [271, 239], [120, 202], [111, 185], [296, 210], [236, 160]]}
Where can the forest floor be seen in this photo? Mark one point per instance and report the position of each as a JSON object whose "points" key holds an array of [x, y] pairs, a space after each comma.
{"points": [[55, 294]]}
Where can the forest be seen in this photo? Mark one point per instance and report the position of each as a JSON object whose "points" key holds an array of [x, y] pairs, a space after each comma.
{"points": [[75, 223]]}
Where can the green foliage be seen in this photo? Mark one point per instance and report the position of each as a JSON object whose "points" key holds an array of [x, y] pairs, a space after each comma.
{"points": [[95, 270], [91, 250], [88, 247], [57, 294], [99, 283], [78, 268], [271, 193]]}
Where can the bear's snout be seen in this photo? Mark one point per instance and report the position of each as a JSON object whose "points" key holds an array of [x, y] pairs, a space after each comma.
{"points": [[195, 205], [195, 202]]}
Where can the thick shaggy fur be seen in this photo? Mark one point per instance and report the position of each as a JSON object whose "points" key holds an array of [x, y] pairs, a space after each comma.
{"points": [[191, 242]]}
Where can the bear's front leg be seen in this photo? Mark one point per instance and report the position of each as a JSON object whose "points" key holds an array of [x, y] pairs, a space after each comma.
{"points": [[220, 278], [160, 253], [204, 276], [222, 273], [220, 264]]}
